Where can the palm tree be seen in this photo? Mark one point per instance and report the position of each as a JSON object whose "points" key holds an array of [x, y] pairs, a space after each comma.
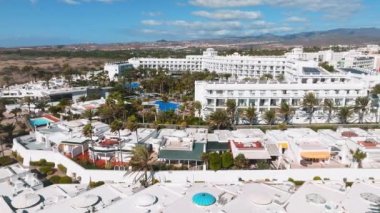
{"points": [[34, 76], [286, 111], [15, 112], [344, 114], [89, 114], [42, 104], [328, 105], [141, 161], [361, 106], [116, 126], [269, 117], [7, 80], [231, 109], [219, 118], [133, 125], [240, 161], [87, 131], [28, 101], [359, 156], [226, 76], [250, 114], [205, 158], [310, 102], [376, 89], [1, 144], [198, 107], [266, 76], [47, 77], [165, 98], [8, 129], [82, 98]]}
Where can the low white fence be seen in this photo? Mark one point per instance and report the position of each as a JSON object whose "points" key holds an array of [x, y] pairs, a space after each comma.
{"points": [[222, 176]]}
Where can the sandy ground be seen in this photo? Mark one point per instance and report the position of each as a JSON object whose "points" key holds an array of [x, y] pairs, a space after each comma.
{"points": [[49, 63]]}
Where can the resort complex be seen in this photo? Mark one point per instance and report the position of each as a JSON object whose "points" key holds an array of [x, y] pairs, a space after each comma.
{"points": [[205, 133]]}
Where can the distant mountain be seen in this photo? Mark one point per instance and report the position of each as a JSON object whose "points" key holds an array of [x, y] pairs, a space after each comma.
{"points": [[318, 38], [357, 36]]}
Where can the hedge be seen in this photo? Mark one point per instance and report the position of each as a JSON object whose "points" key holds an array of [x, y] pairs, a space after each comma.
{"points": [[42, 162], [61, 180], [62, 168], [6, 160], [296, 182], [317, 178], [94, 184], [46, 170], [55, 179], [65, 180]]}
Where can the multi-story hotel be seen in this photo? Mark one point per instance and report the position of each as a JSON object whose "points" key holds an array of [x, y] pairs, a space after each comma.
{"points": [[115, 69], [253, 66], [237, 65], [342, 87]]}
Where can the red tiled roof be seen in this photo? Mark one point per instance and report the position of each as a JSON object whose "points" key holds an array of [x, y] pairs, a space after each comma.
{"points": [[248, 146], [349, 134], [369, 144], [51, 117]]}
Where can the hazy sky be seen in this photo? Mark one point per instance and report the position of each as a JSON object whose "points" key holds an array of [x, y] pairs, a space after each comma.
{"points": [[34, 22]]}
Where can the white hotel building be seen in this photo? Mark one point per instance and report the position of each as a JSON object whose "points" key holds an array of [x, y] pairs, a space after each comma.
{"points": [[236, 65], [253, 66], [354, 77], [301, 77]]}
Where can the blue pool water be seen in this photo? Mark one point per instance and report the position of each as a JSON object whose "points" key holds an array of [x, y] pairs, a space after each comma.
{"points": [[204, 199], [133, 85], [36, 122], [166, 106]]}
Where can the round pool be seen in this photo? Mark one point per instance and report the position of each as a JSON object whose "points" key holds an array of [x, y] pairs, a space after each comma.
{"points": [[204, 199]]}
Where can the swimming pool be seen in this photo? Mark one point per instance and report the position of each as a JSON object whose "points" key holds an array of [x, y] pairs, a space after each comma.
{"points": [[37, 122], [166, 106]]}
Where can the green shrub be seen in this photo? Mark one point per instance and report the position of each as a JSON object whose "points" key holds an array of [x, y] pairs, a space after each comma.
{"points": [[65, 180], [50, 164], [349, 184], [299, 182], [45, 169], [55, 179], [215, 163], [240, 161], [20, 159], [227, 160], [262, 165], [62, 168], [42, 162], [14, 154], [296, 182], [6, 160], [317, 178], [94, 184]]}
